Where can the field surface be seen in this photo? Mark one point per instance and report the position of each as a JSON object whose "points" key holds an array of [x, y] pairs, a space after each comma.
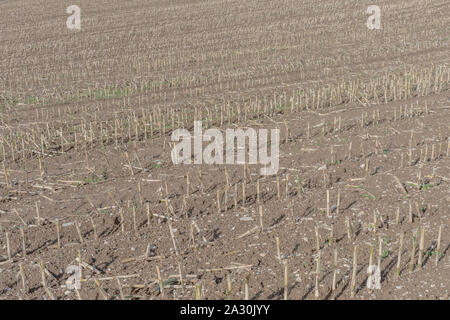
{"points": [[87, 179]]}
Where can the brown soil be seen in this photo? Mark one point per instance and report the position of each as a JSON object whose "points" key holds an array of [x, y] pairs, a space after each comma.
{"points": [[78, 109]]}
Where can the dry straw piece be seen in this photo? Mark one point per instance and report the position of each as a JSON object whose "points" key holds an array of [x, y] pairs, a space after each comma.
{"points": [[235, 196], [335, 265], [147, 209], [160, 282], [413, 252], [258, 199], [421, 248], [349, 229], [38, 216], [328, 203], [172, 235], [278, 249], [24, 248], [8, 246], [122, 220], [135, 229], [228, 290], [331, 237], [399, 256], [198, 291], [438, 246], [94, 228], [374, 222], [380, 252], [286, 280], [316, 229], [355, 267], [316, 287], [218, 202], [371, 255], [100, 290], [180, 276], [44, 281], [22, 277], [6, 176]]}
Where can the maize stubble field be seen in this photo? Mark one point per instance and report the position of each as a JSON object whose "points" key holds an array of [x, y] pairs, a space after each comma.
{"points": [[87, 178]]}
